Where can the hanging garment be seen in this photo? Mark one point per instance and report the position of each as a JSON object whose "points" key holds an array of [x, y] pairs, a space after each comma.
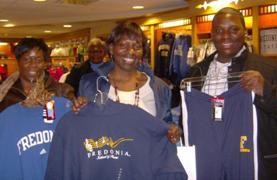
{"points": [[114, 141], [225, 149], [178, 62], [163, 55], [25, 140]]}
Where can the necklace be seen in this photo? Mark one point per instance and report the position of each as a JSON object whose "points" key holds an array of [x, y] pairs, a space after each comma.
{"points": [[136, 101]]}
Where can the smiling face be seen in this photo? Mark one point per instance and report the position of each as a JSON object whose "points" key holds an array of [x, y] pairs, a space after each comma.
{"points": [[228, 35], [31, 65], [127, 52]]}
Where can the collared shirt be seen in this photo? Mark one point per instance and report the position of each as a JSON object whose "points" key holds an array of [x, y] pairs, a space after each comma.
{"points": [[216, 81]]}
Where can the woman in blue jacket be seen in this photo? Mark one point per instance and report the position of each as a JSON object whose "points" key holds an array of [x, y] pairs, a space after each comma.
{"points": [[129, 81]]}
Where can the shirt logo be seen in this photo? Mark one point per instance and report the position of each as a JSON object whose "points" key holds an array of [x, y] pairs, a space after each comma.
{"points": [[105, 148], [243, 139], [43, 151]]}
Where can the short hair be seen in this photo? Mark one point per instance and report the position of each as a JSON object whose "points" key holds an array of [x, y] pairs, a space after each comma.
{"points": [[27, 44], [131, 29], [96, 41], [233, 11]]}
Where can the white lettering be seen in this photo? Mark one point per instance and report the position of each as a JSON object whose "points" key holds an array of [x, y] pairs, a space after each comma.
{"points": [[25, 144], [31, 139], [39, 137]]}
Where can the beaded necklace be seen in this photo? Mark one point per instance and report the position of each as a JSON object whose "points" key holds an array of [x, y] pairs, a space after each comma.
{"points": [[136, 103]]}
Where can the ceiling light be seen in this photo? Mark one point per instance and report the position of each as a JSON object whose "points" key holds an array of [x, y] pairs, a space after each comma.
{"points": [[67, 26], [216, 4], [47, 31], [138, 7], [4, 20], [167, 24], [3, 43], [9, 25], [39, 0], [28, 36]]}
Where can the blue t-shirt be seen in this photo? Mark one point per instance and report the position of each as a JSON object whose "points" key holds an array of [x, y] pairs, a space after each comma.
{"points": [[115, 141], [25, 140]]}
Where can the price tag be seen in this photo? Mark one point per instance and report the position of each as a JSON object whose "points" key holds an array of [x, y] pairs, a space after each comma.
{"points": [[217, 109]]}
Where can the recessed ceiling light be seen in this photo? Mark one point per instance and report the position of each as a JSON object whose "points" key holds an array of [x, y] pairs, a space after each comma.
{"points": [[39, 0], [4, 20], [9, 25], [47, 31], [138, 7], [67, 26]]}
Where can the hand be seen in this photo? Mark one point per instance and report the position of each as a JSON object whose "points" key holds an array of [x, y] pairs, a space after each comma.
{"points": [[174, 133], [78, 103], [253, 81]]}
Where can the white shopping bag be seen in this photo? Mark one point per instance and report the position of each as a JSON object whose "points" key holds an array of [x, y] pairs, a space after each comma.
{"points": [[187, 156]]}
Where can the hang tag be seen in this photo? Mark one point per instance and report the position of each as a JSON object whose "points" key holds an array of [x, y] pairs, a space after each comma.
{"points": [[217, 109], [49, 112]]}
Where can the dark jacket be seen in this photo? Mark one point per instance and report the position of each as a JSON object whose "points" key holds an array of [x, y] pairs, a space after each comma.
{"points": [[16, 93], [162, 93], [76, 73], [266, 105]]}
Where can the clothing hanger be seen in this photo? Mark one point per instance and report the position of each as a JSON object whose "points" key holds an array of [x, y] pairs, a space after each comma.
{"points": [[188, 83], [100, 97]]}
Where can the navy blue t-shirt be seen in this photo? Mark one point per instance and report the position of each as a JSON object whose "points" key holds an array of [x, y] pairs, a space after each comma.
{"points": [[115, 141]]}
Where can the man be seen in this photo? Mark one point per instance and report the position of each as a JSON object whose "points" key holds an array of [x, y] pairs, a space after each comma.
{"points": [[96, 54], [259, 76]]}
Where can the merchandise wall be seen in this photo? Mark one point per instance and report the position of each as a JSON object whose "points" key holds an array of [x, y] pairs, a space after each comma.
{"points": [[260, 18]]}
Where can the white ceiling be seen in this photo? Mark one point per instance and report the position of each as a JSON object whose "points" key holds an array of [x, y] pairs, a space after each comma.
{"points": [[32, 18]]}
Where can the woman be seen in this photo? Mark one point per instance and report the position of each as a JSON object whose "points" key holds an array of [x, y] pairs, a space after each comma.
{"points": [[130, 81], [32, 55], [31, 110]]}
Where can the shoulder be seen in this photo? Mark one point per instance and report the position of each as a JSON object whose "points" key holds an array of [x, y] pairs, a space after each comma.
{"points": [[10, 113], [262, 63]]}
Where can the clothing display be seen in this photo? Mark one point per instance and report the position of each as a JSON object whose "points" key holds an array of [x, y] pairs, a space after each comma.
{"points": [[25, 140], [100, 143], [179, 67], [225, 148], [56, 72], [162, 93], [164, 50]]}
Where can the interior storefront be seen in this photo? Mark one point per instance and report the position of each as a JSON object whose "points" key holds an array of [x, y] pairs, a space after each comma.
{"points": [[70, 48]]}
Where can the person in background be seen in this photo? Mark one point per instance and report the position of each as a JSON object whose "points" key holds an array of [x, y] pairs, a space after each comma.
{"points": [[129, 80], [31, 105], [259, 75], [96, 54], [32, 55]]}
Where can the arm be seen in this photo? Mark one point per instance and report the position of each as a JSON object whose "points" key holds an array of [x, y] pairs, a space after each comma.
{"points": [[265, 90]]}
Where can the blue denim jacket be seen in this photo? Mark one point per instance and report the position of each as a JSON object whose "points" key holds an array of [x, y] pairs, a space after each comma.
{"points": [[162, 92]]}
